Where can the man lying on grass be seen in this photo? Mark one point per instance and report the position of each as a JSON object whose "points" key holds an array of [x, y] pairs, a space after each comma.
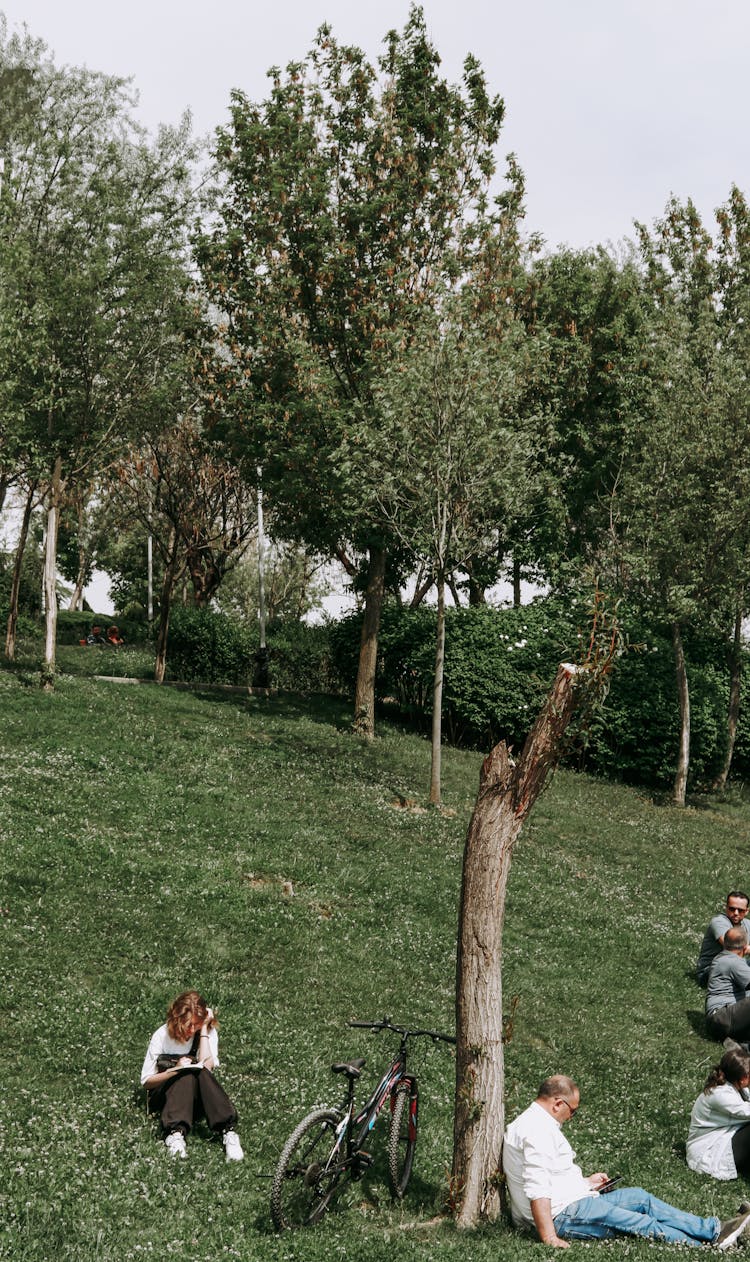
{"points": [[549, 1192]]}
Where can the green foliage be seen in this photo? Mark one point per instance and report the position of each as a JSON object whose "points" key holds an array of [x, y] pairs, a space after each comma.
{"points": [[209, 647], [499, 664], [74, 627], [111, 783]]}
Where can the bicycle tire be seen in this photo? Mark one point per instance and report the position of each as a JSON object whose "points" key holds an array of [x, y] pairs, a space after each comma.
{"points": [[402, 1136], [301, 1190]]}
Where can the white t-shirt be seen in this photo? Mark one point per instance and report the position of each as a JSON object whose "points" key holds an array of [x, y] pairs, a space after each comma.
{"points": [[162, 1044], [715, 1118], [538, 1162]]}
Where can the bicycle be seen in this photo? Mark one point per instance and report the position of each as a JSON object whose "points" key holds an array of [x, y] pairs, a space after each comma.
{"points": [[329, 1145]]}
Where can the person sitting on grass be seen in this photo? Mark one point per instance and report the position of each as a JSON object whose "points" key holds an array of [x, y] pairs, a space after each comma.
{"points": [[727, 1001], [718, 1140], [733, 915], [188, 1090], [549, 1192]]}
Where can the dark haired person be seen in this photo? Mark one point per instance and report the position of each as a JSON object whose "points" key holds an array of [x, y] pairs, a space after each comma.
{"points": [[727, 999], [189, 1090], [731, 917], [718, 1140], [549, 1192]]}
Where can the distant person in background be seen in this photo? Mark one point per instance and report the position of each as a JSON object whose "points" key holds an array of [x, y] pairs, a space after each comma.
{"points": [[733, 916], [187, 1090], [114, 637], [95, 636], [727, 1000], [718, 1140]]}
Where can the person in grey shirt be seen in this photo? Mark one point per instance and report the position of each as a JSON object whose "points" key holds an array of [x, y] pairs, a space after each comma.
{"points": [[727, 1001], [733, 915]]}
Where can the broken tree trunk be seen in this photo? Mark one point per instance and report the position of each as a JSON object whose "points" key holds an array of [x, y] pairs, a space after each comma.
{"points": [[506, 794]]}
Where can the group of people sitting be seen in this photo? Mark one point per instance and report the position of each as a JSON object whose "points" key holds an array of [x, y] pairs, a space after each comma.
{"points": [[548, 1191]]}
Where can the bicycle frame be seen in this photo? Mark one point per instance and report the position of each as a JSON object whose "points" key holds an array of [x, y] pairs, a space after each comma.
{"points": [[368, 1114]]}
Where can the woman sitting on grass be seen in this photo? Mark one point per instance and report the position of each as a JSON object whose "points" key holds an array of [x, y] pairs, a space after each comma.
{"points": [[719, 1137], [188, 1090]]}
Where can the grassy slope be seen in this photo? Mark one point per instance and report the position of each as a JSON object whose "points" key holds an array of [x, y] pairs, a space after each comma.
{"points": [[147, 835]]}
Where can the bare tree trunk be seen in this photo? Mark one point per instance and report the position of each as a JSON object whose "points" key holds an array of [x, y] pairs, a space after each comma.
{"points": [[4, 482], [735, 681], [165, 608], [516, 584], [683, 757], [47, 679], [421, 589], [437, 695], [506, 795], [15, 588], [76, 600], [364, 696]]}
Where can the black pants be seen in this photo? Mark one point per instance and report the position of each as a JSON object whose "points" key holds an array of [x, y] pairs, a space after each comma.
{"points": [[741, 1148], [191, 1096], [732, 1021]]}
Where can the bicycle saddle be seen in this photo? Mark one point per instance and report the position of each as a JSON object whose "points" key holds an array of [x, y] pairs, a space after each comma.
{"points": [[352, 1068]]}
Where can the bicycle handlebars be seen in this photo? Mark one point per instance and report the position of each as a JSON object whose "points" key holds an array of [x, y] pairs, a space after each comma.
{"points": [[386, 1024]]}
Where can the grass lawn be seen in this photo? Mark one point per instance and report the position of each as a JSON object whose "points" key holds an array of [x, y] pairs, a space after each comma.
{"points": [[148, 839]]}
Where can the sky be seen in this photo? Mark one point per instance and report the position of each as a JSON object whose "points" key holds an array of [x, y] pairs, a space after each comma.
{"points": [[611, 105]]}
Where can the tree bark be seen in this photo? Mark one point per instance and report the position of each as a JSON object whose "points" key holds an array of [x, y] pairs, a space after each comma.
{"points": [[506, 794], [683, 692], [733, 715], [516, 584], [15, 587], [169, 581], [47, 679], [437, 695], [364, 696]]}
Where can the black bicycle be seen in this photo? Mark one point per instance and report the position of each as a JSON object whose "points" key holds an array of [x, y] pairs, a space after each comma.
{"points": [[330, 1145]]}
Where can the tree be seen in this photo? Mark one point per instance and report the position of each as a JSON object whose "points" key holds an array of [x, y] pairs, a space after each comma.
{"points": [[195, 505], [347, 194], [680, 513], [92, 243], [450, 406]]}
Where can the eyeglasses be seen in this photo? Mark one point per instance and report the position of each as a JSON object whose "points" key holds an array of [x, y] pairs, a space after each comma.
{"points": [[570, 1108]]}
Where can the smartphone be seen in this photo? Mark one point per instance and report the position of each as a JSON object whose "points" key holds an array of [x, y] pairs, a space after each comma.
{"points": [[611, 1183]]}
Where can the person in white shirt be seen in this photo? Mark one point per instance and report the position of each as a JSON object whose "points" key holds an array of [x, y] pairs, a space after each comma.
{"points": [[187, 1089], [718, 1141], [550, 1193]]}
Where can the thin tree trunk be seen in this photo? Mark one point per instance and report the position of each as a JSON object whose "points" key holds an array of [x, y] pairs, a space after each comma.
{"points": [[516, 584], [437, 695], [364, 696], [4, 481], [506, 795], [76, 600], [421, 589], [735, 681], [47, 679], [165, 608], [15, 588], [683, 692]]}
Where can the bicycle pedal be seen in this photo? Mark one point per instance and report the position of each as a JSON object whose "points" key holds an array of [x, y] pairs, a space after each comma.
{"points": [[364, 1158]]}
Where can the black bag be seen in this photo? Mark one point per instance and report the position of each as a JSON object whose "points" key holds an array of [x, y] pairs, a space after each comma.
{"points": [[168, 1060]]}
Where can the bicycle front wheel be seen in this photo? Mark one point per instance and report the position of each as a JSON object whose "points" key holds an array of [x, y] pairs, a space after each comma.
{"points": [[402, 1137], [302, 1185]]}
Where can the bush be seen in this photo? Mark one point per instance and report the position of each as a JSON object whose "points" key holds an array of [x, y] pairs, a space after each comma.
{"points": [[211, 647], [74, 627], [499, 664]]}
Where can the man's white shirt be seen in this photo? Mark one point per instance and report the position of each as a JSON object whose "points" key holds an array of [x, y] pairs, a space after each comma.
{"points": [[539, 1162]]}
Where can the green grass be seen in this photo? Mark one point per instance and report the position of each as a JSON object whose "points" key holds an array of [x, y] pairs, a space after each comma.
{"points": [[147, 836]]}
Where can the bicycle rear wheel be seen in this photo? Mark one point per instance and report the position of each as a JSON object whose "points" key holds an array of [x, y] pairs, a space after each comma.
{"points": [[302, 1188], [402, 1137]]}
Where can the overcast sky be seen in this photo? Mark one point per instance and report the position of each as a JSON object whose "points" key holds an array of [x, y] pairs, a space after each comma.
{"points": [[611, 104]]}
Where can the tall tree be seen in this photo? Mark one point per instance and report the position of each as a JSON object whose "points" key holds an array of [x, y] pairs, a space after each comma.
{"points": [[347, 194], [92, 242], [450, 406]]}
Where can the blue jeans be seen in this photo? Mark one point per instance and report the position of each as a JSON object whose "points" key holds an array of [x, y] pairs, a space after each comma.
{"points": [[632, 1212]]}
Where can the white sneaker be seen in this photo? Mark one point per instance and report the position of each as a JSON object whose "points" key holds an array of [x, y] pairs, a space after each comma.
{"points": [[232, 1146], [175, 1144]]}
